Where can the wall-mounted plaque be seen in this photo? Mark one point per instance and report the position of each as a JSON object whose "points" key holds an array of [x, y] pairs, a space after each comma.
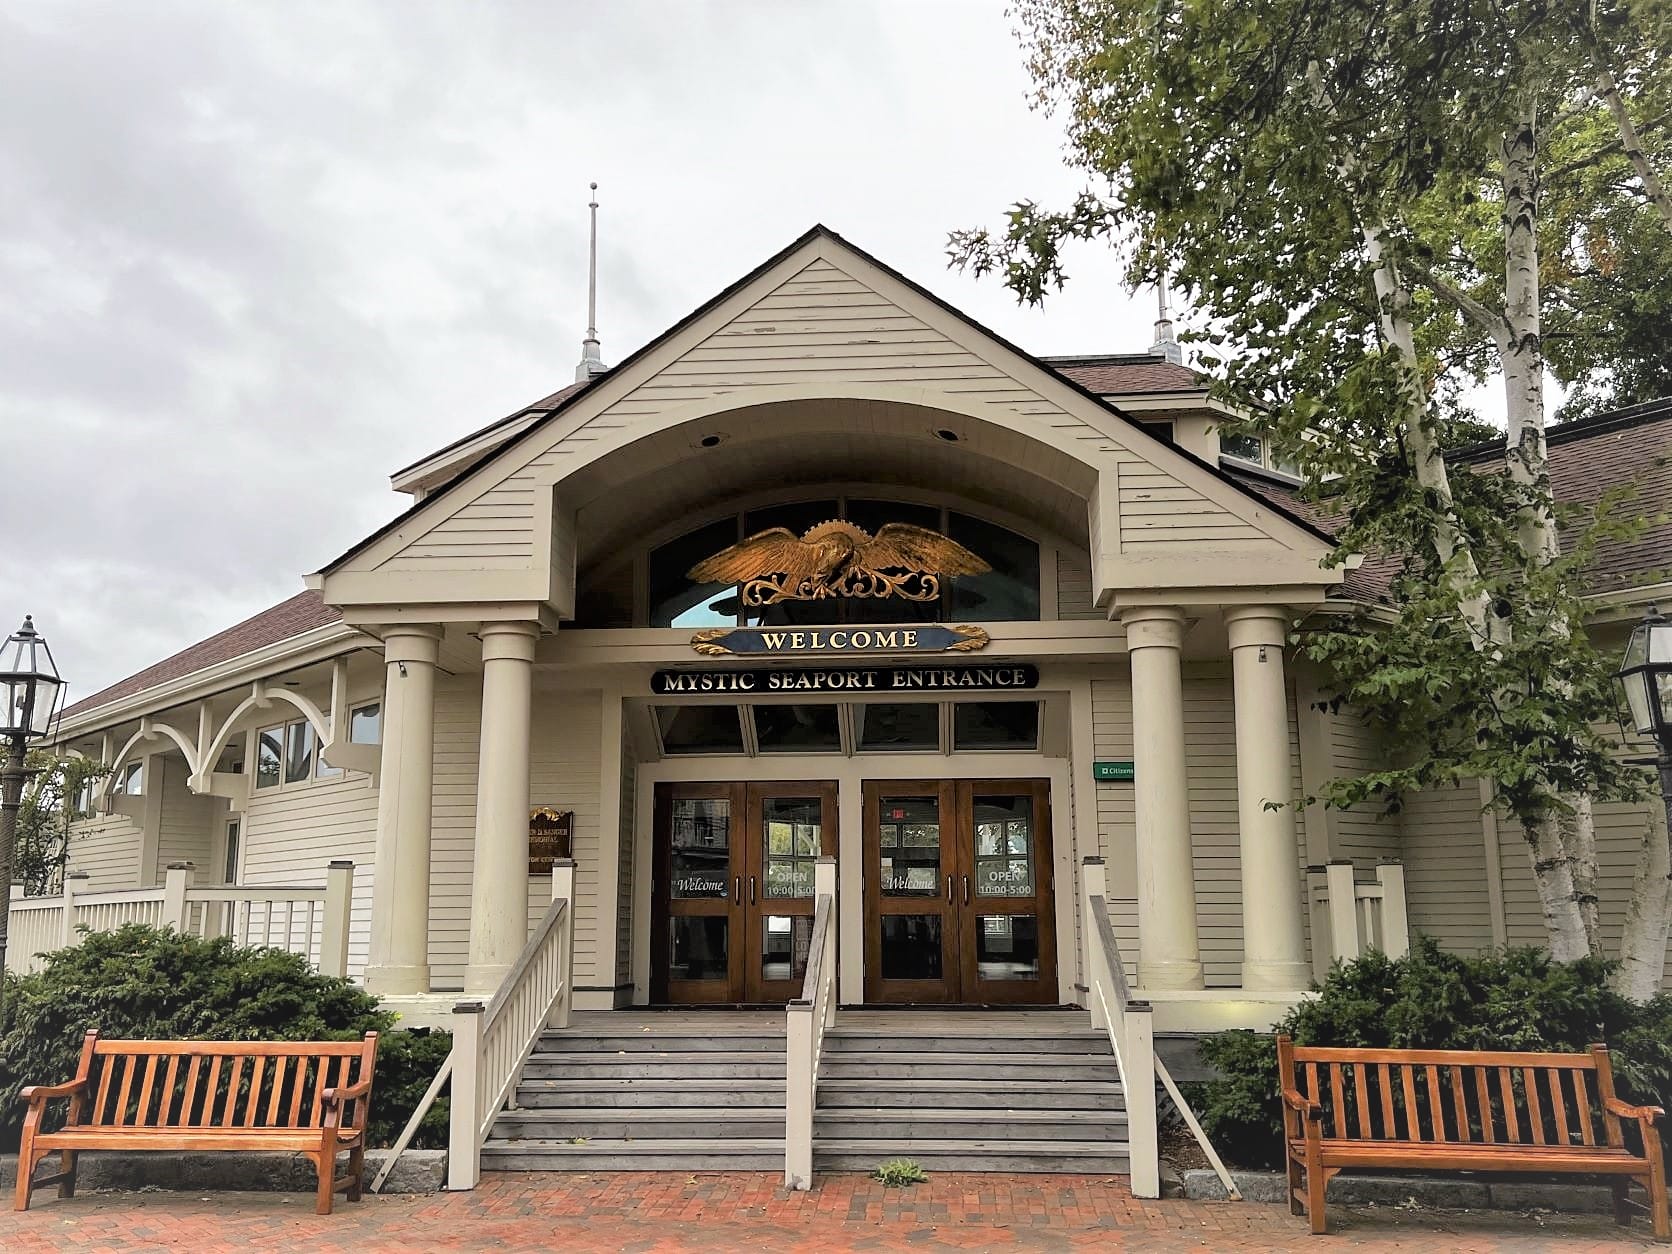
{"points": [[774, 641], [1112, 772], [854, 679], [550, 836]]}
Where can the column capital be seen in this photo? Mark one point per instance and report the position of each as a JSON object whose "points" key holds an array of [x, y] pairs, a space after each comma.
{"points": [[412, 642], [1153, 626], [509, 641], [1249, 625]]}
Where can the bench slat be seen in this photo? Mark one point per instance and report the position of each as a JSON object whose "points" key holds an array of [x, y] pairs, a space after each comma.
{"points": [[248, 1049], [165, 1113], [1512, 1123], [1436, 1111], [1361, 1097], [213, 1093], [296, 1091], [1460, 1106], [229, 1112], [1444, 1057], [1558, 1107], [1338, 1107], [279, 1066], [1535, 1109], [1408, 1085], [127, 1085], [252, 1107], [1484, 1094], [1385, 1080], [147, 1086], [1586, 1130]]}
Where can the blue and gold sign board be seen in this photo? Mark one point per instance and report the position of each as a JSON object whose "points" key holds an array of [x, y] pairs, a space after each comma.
{"points": [[1007, 676], [812, 641]]}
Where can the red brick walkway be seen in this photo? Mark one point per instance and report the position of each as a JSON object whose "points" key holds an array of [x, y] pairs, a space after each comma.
{"points": [[751, 1211]]}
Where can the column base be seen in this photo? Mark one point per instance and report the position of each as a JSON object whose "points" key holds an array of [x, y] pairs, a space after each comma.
{"points": [[1280, 976], [483, 979], [1169, 974], [396, 981]]}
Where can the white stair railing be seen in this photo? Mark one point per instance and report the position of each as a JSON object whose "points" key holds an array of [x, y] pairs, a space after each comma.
{"points": [[808, 1016], [491, 1046], [1131, 1029], [1363, 916], [307, 919]]}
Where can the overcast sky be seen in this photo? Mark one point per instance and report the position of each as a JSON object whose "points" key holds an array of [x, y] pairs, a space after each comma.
{"points": [[256, 256]]}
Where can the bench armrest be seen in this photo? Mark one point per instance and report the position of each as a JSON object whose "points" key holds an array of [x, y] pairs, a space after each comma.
{"points": [[346, 1093], [34, 1094], [1303, 1105], [1615, 1106]]}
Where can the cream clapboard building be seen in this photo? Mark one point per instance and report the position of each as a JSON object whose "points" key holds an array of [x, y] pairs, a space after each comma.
{"points": [[1116, 684]]}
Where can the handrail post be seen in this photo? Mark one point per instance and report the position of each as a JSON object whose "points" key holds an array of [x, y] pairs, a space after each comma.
{"points": [[333, 927], [75, 882], [1343, 911], [1093, 883], [1396, 925], [1144, 1148], [798, 1079], [464, 1146], [563, 889], [177, 878]]}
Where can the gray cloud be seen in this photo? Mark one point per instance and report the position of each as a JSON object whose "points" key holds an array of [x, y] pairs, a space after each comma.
{"points": [[257, 256]]}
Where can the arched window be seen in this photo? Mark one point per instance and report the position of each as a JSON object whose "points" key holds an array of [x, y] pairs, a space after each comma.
{"points": [[1008, 592]]}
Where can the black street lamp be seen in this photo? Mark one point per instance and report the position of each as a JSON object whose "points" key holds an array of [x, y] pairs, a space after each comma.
{"points": [[1646, 676], [29, 691]]}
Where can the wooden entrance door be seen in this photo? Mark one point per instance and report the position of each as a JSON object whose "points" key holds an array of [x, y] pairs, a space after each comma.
{"points": [[959, 905], [733, 892]]}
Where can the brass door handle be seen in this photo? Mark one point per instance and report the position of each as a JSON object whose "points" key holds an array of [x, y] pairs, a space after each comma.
{"points": [[737, 890], [949, 890], [966, 890], [751, 890]]}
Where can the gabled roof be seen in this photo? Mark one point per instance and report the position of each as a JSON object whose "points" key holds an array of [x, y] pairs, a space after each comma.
{"points": [[560, 407]]}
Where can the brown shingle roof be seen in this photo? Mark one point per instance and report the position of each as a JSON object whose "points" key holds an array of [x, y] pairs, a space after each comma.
{"points": [[1627, 447], [300, 613], [1128, 376]]}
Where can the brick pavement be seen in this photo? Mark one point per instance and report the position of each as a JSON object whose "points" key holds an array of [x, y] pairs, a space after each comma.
{"points": [[752, 1211]]}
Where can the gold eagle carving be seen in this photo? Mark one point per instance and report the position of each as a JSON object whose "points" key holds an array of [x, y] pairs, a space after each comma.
{"points": [[839, 559]]}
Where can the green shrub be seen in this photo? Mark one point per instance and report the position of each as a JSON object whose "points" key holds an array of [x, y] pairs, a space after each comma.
{"points": [[1513, 999], [141, 983]]}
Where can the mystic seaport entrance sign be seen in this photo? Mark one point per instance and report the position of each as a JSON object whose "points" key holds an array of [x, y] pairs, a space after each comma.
{"points": [[895, 679]]}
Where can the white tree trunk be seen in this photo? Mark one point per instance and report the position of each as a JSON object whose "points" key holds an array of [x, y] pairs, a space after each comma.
{"points": [[1643, 939], [1608, 88], [1578, 832], [1553, 874]]}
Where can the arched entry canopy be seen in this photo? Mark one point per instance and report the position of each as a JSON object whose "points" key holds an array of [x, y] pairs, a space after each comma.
{"points": [[821, 364]]}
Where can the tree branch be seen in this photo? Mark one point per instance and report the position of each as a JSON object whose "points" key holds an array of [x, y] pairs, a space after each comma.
{"points": [[1493, 323]]}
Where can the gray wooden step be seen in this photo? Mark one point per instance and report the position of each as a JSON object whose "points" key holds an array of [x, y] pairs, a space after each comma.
{"points": [[657, 1064], [643, 1155], [637, 1123], [909, 1066], [565, 1042], [873, 1040], [1102, 1095], [995, 1125], [861, 1154], [602, 1091]]}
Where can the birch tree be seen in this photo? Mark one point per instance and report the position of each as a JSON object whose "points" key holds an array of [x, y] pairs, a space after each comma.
{"points": [[1318, 175]]}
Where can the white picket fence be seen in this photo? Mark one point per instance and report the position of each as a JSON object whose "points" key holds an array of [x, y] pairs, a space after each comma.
{"points": [[311, 920]]}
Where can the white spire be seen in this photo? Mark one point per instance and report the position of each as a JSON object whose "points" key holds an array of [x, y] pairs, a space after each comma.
{"points": [[1165, 345], [592, 361]]}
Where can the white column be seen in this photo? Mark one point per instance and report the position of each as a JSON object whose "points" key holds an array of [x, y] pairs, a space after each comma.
{"points": [[499, 880], [1273, 939], [1169, 955], [398, 960]]}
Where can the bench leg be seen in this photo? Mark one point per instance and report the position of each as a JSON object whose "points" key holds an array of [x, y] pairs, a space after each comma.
{"points": [[27, 1157], [1293, 1164], [67, 1164], [325, 1163], [356, 1171], [1620, 1186], [1658, 1209]]}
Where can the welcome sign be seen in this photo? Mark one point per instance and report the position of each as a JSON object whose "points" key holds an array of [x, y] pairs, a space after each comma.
{"points": [[777, 641]]}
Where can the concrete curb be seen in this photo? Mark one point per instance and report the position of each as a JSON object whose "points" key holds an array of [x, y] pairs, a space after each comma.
{"points": [[419, 1171], [1464, 1193]]}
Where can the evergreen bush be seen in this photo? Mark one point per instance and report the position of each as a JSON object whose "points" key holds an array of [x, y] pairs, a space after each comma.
{"points": [[141, 983], [1518, 999]]}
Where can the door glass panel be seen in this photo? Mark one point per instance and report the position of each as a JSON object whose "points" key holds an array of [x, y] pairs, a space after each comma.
{"points": [[697, 947], [905, 725], [700, 728], [909, 836], [911, 946], [791, 836], [700, 850], [1004, 846], [1007, 947], [785, 940], [797, 728]]}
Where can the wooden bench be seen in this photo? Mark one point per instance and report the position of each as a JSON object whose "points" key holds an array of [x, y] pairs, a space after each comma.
{"points": [[299, 1096], [1463, 1110]]}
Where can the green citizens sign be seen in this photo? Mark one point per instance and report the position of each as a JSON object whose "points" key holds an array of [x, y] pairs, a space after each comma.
{"points": [[1116, 772]]}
